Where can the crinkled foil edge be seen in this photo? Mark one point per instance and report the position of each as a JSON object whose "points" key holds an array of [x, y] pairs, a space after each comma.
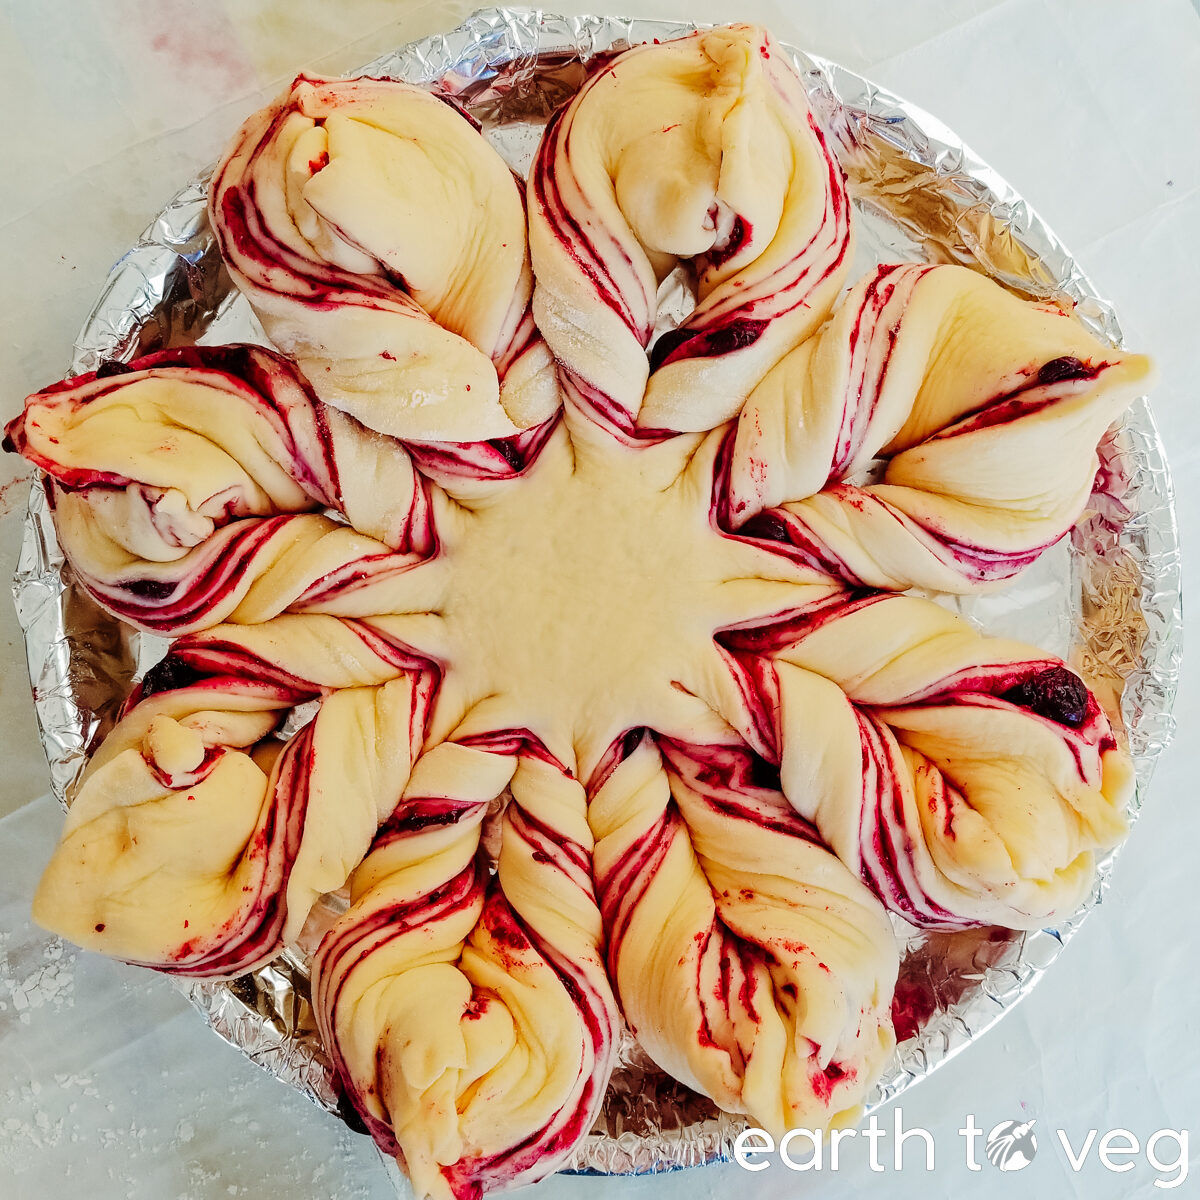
{"points": [[902, 163]]}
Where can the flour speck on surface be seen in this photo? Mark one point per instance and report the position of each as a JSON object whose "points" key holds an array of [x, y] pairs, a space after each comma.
{"points": [[29, 982]]}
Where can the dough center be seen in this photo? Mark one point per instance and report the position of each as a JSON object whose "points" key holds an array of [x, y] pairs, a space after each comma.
{"points": [[582, 597]]}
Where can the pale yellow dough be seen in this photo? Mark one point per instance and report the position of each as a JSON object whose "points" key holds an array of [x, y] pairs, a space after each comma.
{"points": [[752, 960], [158, 864], [458, 1030], [511, 670], [911, 356], [419, 228], [581, 600], [673, 154]]}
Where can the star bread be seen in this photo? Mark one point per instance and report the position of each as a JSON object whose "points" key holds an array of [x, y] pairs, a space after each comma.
{"points": [[550, 670]]}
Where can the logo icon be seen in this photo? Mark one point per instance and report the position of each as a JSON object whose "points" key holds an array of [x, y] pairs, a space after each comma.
{"points": [[1011, 1146]]}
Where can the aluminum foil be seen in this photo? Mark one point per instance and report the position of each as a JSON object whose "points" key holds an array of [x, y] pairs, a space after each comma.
{"points": [[1109, 600]]}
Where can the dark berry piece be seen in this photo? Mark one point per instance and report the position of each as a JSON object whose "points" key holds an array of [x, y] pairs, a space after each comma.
{"points": [[768, 526], [1059, 369], [169, 675], [631, 741], [112, 366], [150, 589], [511, 452], [763, 774], [1056, 693], [669, 342]]}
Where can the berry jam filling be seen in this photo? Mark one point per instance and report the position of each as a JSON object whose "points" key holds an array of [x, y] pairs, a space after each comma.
{"points": [[1055, 693], [168, 676], [719, 255], [349, 1114], [913, 1003], [764, 775], [511, 452]]}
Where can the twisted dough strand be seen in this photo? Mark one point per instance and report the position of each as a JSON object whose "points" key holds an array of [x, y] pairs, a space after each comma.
{"points": [[184, 484], [970, 780], [196, 845], [750, 964], [382, 243], [470, 1021], [702, 149], [987, 410]]}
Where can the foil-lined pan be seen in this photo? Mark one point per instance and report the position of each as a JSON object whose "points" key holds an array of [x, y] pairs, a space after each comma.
{"points": [[1109, 600]]}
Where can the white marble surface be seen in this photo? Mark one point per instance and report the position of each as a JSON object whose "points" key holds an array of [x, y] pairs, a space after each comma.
{"points": [[109, 1085]]}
